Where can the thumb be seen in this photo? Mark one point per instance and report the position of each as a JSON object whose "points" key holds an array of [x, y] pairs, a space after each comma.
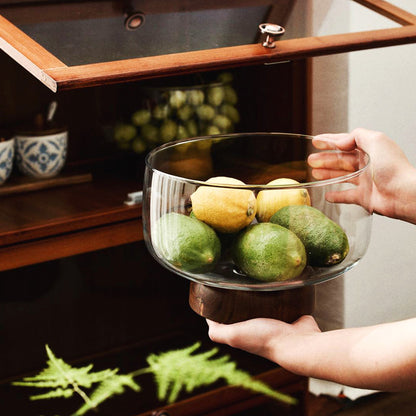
{"points": [[217, 332]]}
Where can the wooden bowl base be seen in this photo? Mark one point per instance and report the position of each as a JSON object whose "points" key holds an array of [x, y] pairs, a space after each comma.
{"points": [[229, 306]]}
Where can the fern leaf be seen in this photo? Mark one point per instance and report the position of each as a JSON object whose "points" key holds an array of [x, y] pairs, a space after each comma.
{"points": [[242, 379], [107, 388], [53, 394], [179, 370], [63, 380]]}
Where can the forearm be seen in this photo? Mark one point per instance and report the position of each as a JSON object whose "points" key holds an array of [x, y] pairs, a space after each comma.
{"points": [[381, 357]]}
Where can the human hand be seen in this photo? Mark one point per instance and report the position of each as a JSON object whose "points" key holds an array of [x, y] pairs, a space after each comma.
{"points": [[394, 178], [378, 357], [286, 344]]}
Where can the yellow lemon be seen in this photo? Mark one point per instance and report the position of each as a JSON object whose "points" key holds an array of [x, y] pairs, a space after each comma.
{"points": [[270, 201], [227, 210]]}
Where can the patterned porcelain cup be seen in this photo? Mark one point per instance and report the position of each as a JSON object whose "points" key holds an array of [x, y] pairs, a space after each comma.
{"points": [[41, 156], [6, 159]]}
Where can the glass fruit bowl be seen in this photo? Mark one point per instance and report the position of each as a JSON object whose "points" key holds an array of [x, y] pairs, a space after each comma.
{"points": [[248, 211]]}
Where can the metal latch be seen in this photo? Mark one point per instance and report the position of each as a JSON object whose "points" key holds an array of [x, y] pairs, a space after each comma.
{"points": [[134, 198], [272, 31]]}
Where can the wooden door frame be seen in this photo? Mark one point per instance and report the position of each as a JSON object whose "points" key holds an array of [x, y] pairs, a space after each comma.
{"points": [[57, 76]]}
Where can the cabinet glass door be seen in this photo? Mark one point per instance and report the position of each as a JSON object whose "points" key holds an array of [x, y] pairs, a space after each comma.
{"points": [[76, 44]]}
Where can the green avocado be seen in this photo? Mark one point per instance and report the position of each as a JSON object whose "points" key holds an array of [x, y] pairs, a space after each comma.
{"points": [[186, 242], [269, 252], [325, 241]]}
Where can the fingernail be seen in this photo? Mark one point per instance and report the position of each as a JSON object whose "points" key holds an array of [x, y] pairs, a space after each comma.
{"points": [[320, 144], [317, 174], [314, 160]]}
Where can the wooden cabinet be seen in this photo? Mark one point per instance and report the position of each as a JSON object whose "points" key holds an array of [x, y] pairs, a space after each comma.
{"points": [[92, 215], [75, 270]]}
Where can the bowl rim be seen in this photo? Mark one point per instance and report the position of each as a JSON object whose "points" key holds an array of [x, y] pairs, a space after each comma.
{"points": [[323, 182], [46, 134], [8, 142]]}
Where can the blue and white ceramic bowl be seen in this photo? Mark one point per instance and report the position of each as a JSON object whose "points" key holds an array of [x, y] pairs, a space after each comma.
{"points": [[6, 159], [41, 156]]}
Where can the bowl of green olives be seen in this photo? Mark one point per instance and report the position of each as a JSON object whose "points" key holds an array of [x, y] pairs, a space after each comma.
{"points": [[168, 113]]}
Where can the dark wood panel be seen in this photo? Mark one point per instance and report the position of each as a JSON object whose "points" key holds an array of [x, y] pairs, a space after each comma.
{"points": [[30, 216], [69, 244]]}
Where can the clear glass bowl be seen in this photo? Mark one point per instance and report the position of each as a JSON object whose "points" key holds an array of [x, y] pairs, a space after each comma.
{"points": [[176, 170]]}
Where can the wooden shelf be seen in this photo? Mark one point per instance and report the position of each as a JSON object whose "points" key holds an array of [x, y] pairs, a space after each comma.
{"points": [[60, 222]]}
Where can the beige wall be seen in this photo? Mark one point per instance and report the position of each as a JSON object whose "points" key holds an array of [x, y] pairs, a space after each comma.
{"points": [[375, 89]]}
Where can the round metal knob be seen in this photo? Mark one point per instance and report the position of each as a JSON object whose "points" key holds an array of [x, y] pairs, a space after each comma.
{"points": [[272, 31], [133, 20]]}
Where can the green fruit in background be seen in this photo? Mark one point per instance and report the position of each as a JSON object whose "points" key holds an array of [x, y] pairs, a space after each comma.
{"points": [[177, 98], [215, 96], [186, 242], [161, 112], [230, 96], [269, 252], [124, 132], [141, 117], [181, 132], [192, 127], [168, 130], [225, 77], [205, 112], [185, 112], [179, 113], [138, 145], [211, 131], [325, 241], [195, 97], [150, 133], [223, 123], [231, 112]]}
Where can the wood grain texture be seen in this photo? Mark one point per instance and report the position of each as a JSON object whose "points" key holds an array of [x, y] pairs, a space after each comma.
{"points": [[390, 11], [57, 76], [23, 184], [65, 245], [28, 53], [229, 400], [229, 306], [223, 58], [51, 212]]}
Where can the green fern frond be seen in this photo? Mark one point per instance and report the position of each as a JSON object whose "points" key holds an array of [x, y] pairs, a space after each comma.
{"points": [[63, 380], [54, 394], [107, 388], [243, 379], [174, 371], [179, 370]]}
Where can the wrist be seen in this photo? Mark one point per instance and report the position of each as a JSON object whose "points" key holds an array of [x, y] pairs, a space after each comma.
{"points": [[406, 205]]}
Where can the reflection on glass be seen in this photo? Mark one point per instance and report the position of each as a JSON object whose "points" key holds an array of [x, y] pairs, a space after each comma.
{"points": [[76, 36], [212, 232], [92, 40]]}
